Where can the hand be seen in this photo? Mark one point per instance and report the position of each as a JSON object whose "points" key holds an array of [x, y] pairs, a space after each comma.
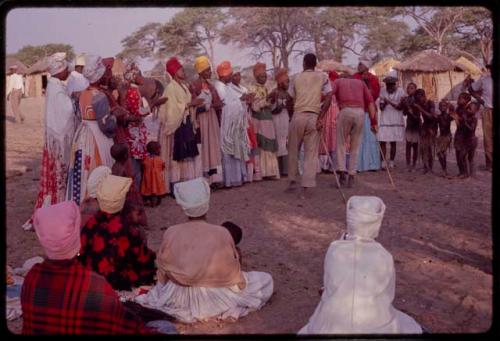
{"points": [[374, 128]]}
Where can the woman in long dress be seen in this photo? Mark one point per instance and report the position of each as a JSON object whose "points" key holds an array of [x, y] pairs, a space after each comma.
{"points": [[177, 139], [207, 120], [60, 120], [328, 134], [94, 137]]}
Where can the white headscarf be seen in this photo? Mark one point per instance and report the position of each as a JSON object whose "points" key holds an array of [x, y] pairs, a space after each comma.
{"points": [[96, 178], [57, 63], [94, 68], [364, 216], [80, 60], [193, 196], [76, 83]]}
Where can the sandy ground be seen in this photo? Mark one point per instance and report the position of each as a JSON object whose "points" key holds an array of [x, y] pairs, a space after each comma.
{"points": [[438, 231]]}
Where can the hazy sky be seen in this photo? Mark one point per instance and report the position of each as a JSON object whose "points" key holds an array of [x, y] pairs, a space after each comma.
{"points": [[100, 31]]}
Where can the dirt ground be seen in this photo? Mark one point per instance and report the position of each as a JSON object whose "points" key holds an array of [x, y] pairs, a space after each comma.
{"points": [[438, 231]]}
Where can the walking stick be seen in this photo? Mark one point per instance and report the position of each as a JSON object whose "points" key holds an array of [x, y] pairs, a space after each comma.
{"points": [[334, 170], [386, 165]]}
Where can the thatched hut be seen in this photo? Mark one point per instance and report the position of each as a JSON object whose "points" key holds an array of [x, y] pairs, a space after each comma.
{"points": [[438, 75], [383, 67], [470, 67], [332, 65], [11, 61], [36, 78]]}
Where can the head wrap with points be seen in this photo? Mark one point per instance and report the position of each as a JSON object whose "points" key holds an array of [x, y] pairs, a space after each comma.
{"points": [[57, 63], [364, 216], [94, 68]]}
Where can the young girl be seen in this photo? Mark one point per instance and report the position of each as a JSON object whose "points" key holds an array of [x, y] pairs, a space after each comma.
{"points": [[413, 125], [153, 181]]}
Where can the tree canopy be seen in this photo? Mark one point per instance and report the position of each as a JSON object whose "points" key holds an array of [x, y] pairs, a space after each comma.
{"points": [[30, 54]]}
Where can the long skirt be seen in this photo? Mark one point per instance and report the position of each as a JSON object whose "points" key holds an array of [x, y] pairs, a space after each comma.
{"points": [[268, 145], [235, 170], [369, 154], [210, 146], [91, 148], [176, 171], [192, 304]]}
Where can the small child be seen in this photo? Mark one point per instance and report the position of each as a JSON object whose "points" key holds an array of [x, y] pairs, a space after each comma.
{"points": [[413, 125], [444, 138], [461, 111], [236, 233], [466, 140], [429, 128], [119, 152], [153, 181]]}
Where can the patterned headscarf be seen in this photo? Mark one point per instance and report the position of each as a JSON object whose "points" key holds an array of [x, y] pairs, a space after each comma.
{"points": [[259, 69], [131, 71], [94, 68], [57, 63]]}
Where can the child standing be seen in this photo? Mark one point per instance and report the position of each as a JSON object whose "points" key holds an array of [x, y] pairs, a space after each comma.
{"points": [[413, 125], [444, 138], [429, 128], [153, 182], [121, 167], [466, 140], [460, 112]]}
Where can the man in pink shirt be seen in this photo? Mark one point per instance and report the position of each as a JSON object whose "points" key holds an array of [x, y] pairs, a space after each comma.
{"points": [[353, 98]]}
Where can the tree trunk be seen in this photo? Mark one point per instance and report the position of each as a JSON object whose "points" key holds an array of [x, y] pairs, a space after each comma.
{"points": [[211, 49], [338, 52]]}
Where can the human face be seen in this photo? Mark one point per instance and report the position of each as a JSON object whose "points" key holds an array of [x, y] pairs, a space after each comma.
{"points": [[391, 87], [443, 106], [226, 79], [236, 78], [362, 68], [472, 109], [180, 74], [262, 78], [79, 68], [206, 74], [410, 89], [421, 99], [284, 85], [63, 75]]}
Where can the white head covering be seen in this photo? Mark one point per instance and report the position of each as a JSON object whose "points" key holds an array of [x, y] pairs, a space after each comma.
{"points": [[57, 63], [236, 69], [94, 68], [80, 60], [364, 216], [393, 73], [76, 83], [360, 280], [193, 196], [96, 178], [366, 62]]}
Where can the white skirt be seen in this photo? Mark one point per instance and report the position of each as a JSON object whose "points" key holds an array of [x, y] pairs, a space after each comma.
{"points": [[191, 304]]}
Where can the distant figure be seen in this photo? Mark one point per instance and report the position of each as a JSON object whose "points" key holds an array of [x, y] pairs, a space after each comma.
{"points": [[359, 280], [466, 140], [443, 141], [76, 76], [413, 126], [153, 183], [15, 91], [426, 109]]}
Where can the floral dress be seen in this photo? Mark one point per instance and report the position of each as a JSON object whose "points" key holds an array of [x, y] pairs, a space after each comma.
{"points": [[136, 134], [116, 250]]}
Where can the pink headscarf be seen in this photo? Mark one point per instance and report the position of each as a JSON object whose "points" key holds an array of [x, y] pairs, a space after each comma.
{"points": [[58, 229]]}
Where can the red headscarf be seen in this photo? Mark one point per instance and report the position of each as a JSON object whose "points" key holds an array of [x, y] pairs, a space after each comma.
{"points": [[281, 75], [224, 69], [173, 65], [333, 75]]}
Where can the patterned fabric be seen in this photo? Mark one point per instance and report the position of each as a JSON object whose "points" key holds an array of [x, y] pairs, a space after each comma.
{"points": [[136, 133], [63, 297], [116, 250]]}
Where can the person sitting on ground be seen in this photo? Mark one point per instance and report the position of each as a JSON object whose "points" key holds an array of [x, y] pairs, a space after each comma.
{"points": [[59, 295], [112, 247], [90, 206], [153, 182], [359, 280], [236, 234], [199, 273]]}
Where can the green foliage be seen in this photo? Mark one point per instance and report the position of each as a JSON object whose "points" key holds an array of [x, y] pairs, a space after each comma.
{"points": [[30, 54]]}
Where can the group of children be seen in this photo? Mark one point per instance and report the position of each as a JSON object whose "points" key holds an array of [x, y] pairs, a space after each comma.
{"points": [[430, 133]]}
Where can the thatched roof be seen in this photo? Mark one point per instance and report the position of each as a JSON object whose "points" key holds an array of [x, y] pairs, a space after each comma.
{"points": [[21, 68], [39, 67], [384, 66], [469, 66], [118, 67], [428, 61], [332, 65]]}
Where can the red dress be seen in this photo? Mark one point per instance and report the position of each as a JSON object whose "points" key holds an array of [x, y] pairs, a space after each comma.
{"points": [[136, 134], [153, 181]]}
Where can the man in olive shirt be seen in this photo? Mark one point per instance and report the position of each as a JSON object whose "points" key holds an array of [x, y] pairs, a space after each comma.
{"points": [[307, 90]]}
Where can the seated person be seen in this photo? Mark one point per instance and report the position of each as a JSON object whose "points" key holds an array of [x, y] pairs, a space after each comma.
{"points": [[89, 206], [112, 247], [236, 234], [199, 274], [60, 296], [359, 280]]}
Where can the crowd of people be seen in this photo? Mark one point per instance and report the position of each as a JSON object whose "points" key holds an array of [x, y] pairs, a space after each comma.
{"points": [[103, 161]]}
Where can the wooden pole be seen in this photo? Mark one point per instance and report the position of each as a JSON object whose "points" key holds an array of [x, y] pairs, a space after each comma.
{"points": [[334, 170]]}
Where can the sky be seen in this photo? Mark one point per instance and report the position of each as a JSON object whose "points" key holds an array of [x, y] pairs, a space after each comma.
{"points": [[100, 31]]}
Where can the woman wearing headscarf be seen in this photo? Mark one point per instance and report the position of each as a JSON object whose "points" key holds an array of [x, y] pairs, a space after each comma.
{"points": [[264, 127], [94, 136], [59, 295], [329, 131], [110, 245], [177, 139], [282, 109], [90, 206], [199, 274], [60, 124], [359, 280], [234, 144], [207, 120]]}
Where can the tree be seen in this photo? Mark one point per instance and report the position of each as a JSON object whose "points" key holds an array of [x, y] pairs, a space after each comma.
{"points": [[192, 31], [475, 32], [30, 54], [267, 31], [143, 43]]}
